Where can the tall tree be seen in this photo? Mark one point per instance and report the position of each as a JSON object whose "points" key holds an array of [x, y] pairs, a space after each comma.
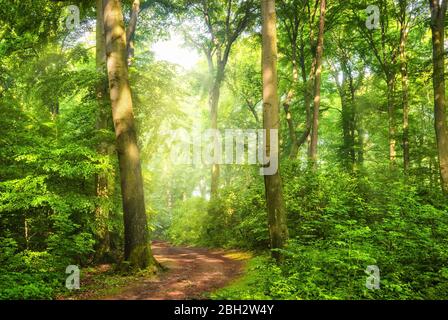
{"points": [[104, 147], [137, 248], [294, 17], [404, 33], [224, 22], [385, 46], [317, 83], [273, 184], [347, 70], [438, 15], [130, 31]]}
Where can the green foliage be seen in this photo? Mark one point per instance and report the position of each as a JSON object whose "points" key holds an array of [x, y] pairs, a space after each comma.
{"points": [[353, 211], [188, 225], [27, 274], [235, 219], [345, 224], [48, 166], [238, 218]]}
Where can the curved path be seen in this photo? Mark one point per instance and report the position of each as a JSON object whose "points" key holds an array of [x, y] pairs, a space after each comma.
{"points": [[191, 273]]}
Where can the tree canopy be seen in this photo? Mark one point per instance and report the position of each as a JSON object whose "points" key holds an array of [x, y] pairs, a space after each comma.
{"points": [[107, 142]]}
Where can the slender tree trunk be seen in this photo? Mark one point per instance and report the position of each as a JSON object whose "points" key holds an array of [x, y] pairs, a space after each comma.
{"points": [[438, 12], [432, 179], [391, 120], [287, 103], [346, 93], [352, 126], [360, 139], [102, 124], [214, 103], [26, 233], [137, 248], [292, 133], [317, 84], [253, 110], [219, 49], [298, 141], [307, 89], [405, 89], [308, 98], [130, 32], [273, 184]]}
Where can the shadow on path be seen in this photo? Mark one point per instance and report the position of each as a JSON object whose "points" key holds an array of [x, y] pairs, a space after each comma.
{"points": [[191, 273]]}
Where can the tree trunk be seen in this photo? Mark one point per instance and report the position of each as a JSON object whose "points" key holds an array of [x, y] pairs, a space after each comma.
{"points": [[406, 156], [405, 88], [297, 142], [102, 124], [307, 89], [214, 103], [26, 233], [317, 84], [346, 92], [273, 184], [287, 103], [438, 12], [391, 116], [130, 32], [360, 140], [137, 248]]}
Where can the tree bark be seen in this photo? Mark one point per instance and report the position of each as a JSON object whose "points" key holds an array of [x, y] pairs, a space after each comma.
{"points": [[405, 98], [346, 91], [360, 138], [130, 32], [214, 103], [291, 127], [290, 95], [404, 85], [219, 49], [273, 184], [298, 59], [102, 123], [137, 249], [391, 116], [317, 84], [438, 12], [386, 54], [307, 91]]}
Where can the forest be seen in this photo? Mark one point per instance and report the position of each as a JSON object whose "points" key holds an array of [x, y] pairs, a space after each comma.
{"points": [[223, 149]]}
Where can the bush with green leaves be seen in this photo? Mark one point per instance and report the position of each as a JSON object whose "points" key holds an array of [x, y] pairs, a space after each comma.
{"points": [[345, 224], [188, 222], [236, 218], [27, 274], [48, 166]]}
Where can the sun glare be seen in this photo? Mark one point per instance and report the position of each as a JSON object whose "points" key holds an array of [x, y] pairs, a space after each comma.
{"points": [[174, 51]]}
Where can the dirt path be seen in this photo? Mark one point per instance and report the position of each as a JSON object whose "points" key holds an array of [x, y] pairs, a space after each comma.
{"points": [[191, 273]]}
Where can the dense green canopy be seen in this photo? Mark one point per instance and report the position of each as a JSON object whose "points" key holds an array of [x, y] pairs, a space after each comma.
{"points": [[374, 196]]}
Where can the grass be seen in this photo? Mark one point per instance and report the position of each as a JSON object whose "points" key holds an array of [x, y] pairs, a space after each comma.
{"points": [[243, 287], [104, 281]]}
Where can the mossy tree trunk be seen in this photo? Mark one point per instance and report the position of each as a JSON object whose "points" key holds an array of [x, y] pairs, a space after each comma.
{"points": [[271, 118], [317, 84], [438, 13], [103, 123], [137, 248]]}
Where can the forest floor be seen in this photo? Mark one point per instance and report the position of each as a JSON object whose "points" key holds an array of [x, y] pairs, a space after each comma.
{"points": [[191, 273]]}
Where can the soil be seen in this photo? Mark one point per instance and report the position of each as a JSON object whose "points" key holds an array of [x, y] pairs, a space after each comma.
{"points": [[191, 273]]}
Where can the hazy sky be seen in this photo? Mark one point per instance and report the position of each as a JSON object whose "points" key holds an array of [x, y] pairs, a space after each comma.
{"points": [[174, 51]]}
